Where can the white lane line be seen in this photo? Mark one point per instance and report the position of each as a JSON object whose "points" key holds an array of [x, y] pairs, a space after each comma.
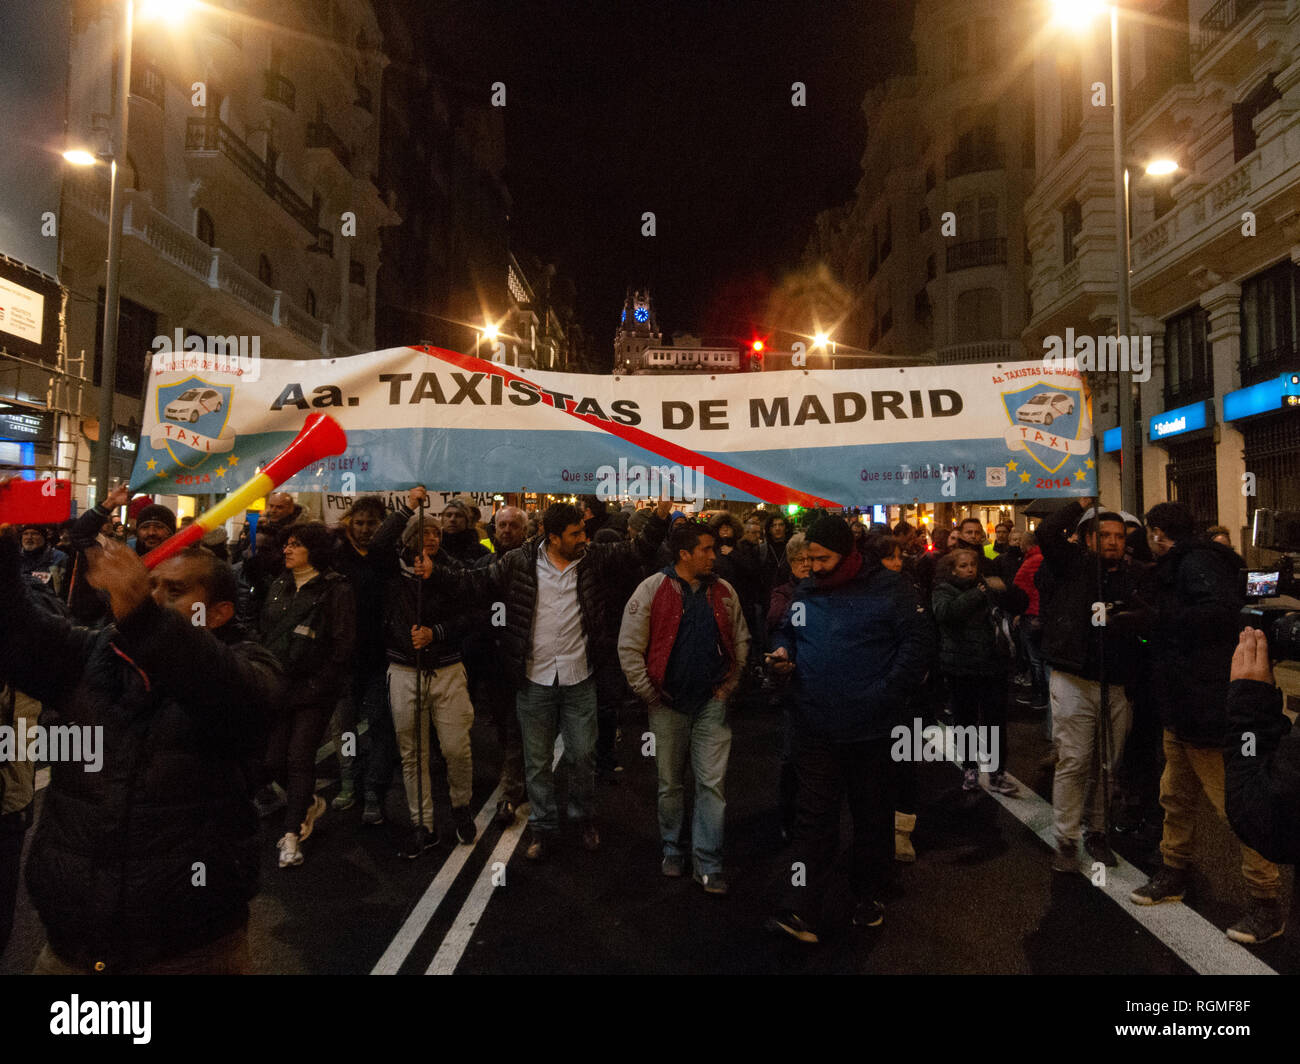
{"points": [[467, 920], [410, 931], [1196, 941], [462, 930]]}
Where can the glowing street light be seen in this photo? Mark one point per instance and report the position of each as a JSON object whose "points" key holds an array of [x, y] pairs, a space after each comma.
{"points": [[821, 339], [79, 157], [172, 11], [1161, 167], [1076, 14], [490, 332]]}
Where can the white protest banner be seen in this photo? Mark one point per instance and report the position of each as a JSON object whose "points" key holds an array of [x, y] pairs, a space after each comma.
{"points": [[335, 504], [823, 437]]}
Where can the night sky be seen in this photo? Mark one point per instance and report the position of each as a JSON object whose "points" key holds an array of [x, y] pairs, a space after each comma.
{"points": [[684, 109]]}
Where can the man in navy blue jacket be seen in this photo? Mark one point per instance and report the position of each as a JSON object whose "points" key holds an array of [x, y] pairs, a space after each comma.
{"points": [[855, 639]]}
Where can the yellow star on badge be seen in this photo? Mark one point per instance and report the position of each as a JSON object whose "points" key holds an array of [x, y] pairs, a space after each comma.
{"points": [[1079, 474], [233, 460], [151, 465], [1088, 463], [221, 471], [1012, 465], [1024, 477]]}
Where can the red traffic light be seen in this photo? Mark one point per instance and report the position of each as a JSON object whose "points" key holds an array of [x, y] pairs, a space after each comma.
{"points": [[756, 346]]}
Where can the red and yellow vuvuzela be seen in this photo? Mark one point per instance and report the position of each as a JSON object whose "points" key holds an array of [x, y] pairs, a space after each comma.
{"points": [[321, 436]]}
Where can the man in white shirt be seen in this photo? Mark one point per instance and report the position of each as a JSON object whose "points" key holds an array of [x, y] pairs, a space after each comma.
{"points": [[562, 614]]}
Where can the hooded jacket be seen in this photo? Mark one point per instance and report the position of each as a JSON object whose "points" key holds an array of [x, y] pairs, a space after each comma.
{"points": [[967, 644], [1067, 584], [1197, 588], [449, 618], [184, 713]]}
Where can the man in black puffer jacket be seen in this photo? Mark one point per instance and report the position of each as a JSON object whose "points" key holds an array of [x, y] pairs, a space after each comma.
{"points": [[1198, 589], [148, 864], [561, 606]]}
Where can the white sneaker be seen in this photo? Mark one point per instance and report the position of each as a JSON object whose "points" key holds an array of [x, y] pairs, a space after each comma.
{"points": [[290, 854]]}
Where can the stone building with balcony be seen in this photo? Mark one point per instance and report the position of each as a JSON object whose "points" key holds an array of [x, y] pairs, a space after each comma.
{"points": [[933, 244], [252, 205], [1215, 246]]}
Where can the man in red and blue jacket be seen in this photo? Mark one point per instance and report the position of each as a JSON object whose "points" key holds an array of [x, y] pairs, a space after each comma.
{"points": [[682, 645]]}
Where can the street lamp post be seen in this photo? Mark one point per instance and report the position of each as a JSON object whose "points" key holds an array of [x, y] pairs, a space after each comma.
{"points": [[1128, 428], [117, 150], [1077, 13]]}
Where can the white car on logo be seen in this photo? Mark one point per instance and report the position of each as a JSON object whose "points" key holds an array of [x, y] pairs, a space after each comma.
{"points": [[1044, 408], [193, 404]]}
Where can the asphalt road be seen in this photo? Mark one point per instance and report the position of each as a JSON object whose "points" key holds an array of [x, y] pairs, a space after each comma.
{"points": [[979, 900]]}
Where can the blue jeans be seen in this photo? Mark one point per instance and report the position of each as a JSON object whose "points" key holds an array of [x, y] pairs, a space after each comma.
{"points": [[572, 711], [708, 739]]}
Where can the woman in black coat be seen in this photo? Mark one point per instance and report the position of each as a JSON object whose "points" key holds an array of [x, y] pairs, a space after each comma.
{"points": [[309, 624]]}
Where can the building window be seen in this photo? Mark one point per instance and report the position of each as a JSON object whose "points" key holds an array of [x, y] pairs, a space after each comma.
{"points": [[1244, 114], [264, 272], [931, 268], [1071, 102], [136, 328], [923, 219], [357, 273], [1162, 198], [988, 217], [929, 177], [884, 312], [978, 316], [310, 302], [1189, 370], [1270, 322], [922, 311], [1071, 227], [958, 52], [986, 44], [204, 229]]}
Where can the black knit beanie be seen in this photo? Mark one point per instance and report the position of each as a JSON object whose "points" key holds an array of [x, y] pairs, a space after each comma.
{"points": [[831, 532]]}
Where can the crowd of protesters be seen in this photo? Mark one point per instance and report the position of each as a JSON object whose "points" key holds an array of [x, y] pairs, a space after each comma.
{"points": [[221, 674]]}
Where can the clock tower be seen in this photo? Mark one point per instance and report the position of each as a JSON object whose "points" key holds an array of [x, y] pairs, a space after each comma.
{"points": [[638, 328]]}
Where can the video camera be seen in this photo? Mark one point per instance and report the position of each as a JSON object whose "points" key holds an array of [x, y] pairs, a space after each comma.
{"points": [[1275, 530]]}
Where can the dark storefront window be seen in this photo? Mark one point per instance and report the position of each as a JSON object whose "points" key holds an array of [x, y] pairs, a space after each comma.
{"points": [[1272, 452], [1192, 478]]}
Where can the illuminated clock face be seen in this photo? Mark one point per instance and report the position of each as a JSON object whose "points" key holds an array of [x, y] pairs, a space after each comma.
{"points": [[642, 313]]}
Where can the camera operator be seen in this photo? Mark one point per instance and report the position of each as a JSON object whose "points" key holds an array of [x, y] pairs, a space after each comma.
{"points": [[1075, 612], [1262, 756], [1198, 595]]}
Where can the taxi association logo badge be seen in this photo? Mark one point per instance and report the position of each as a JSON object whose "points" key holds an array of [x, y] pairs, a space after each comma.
{"points": [[1049, 423], [193, 421]]}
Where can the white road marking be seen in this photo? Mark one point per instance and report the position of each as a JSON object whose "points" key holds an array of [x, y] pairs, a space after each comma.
{"points": [[410, 931], [1196, 941], [467, 920]]}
